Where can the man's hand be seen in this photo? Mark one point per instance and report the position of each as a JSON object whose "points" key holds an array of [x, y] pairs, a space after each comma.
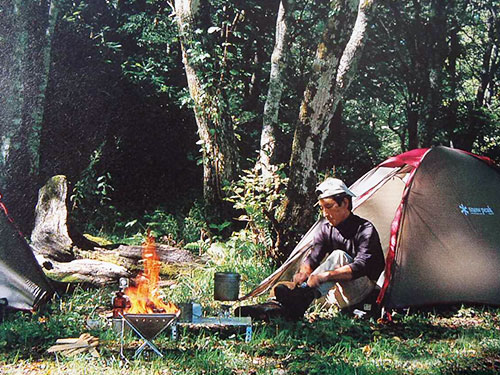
{"points": [[314, 281], [300, 277], [343, 273]]}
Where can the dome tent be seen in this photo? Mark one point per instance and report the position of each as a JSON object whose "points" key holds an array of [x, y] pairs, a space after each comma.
{"points": [[22, 282], [437, 212]]}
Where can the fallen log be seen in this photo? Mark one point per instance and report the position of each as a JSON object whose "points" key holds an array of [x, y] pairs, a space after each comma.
{"points": [[166, 254], [90, 271], [57, 245]]}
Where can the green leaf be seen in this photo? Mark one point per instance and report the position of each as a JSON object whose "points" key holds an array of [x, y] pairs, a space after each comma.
{"points": [[130, 223], [213, 29], [243, 218]]}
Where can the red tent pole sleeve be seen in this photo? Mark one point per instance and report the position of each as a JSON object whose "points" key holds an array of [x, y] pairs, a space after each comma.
{"points": [[4, 209], [486, 159]]}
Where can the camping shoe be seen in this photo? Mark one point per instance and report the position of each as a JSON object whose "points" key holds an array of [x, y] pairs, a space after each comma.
{"points": [[264, 311], [295, 301]]}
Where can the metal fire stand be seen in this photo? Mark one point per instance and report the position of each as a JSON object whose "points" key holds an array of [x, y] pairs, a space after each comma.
{"points": [[148, 327]]}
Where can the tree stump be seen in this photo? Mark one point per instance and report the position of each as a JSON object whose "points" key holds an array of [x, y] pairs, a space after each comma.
{"points": [[57, 246], [50, 235]]}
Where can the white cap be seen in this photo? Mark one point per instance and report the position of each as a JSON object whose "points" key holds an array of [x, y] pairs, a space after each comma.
{"points": [[332, 186]]}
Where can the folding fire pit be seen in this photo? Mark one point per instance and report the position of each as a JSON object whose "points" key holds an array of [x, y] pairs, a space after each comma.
{"points": [[148, 327]]}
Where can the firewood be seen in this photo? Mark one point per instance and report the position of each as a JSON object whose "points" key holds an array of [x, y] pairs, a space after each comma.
{"points": [[72, 346], [78, 344], [94, 352], [73, 352], [66, 341]]}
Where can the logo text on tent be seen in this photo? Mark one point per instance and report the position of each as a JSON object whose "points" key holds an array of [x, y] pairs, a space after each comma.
{"points": [[466, 210]]}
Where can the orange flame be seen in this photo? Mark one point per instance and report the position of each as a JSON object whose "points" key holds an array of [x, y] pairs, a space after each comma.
{"points": [[145, 296]]}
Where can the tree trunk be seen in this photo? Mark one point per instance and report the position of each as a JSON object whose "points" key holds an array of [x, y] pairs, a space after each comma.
{"points": [[334, 69], [25, 67], [35, 106], [488, 70], [50, 235], [452, 111], [215, 128], [54, 235], [413, 139], [271, 108], [126, 258], [437, 61]]}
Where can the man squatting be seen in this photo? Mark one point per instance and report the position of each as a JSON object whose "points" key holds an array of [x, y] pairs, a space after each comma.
{"points": [[355, 261]]}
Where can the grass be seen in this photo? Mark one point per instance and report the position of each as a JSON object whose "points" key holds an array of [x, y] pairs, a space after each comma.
{"points": [[463, 340]]}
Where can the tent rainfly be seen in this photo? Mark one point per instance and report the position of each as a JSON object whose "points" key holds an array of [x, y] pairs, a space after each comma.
{"points": [[437, 212], [22, 281]]}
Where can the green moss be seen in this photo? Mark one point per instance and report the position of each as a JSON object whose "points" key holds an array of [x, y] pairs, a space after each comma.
{"points": [[100, 240], [64, 279], [70, 279], [173, 270], [51, 188]]}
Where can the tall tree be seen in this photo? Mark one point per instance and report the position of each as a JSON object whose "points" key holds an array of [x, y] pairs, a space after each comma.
{"points": [[276, 81], [484, 40], [428, 63], [415, 35], [215, 127], [25, 63], [334, 67]]}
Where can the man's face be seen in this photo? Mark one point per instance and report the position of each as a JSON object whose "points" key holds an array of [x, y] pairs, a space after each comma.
{"points": [[332, 212]]}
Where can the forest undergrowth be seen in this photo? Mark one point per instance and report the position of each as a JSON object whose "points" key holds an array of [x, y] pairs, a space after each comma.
{"points": [[451, 340]]}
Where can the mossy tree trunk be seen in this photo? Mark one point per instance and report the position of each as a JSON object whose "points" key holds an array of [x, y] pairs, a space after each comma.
{"points": [[335, 64], [50, 235], [215, 127], [279, 59], [24, 67], [54, 243]]}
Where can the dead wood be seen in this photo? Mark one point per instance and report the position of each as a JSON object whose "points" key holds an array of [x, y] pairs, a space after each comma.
{"points": [[72, 346], [91, 271], [167, 254], [57, 244], [50, 236]]}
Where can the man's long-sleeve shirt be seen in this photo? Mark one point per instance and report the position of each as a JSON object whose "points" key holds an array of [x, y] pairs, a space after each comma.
{"points": [[358, 238]]}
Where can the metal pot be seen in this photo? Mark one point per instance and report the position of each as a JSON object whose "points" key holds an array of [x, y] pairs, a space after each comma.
{"points": [[226, 286]]}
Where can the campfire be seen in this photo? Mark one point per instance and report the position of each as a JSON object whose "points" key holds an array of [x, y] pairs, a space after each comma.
{"points": [[141, 306], [144, 296]]}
